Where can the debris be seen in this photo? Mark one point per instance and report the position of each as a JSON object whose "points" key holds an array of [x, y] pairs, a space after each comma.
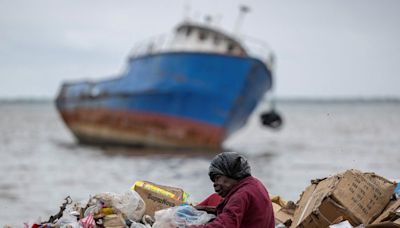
{"points": [[353, 195], [53, 218], [157, 197], [181, 216], [352, 199]]}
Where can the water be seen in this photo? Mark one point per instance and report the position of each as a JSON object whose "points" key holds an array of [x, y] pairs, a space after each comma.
{"points": [[41, 164]]}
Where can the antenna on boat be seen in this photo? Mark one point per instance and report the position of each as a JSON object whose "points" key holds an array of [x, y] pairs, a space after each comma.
{"points": [[186, 10], [208, 19], [218, 18], [242, 12]]}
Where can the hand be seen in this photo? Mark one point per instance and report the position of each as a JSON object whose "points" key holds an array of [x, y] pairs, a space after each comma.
{"points": [[208, 209]]}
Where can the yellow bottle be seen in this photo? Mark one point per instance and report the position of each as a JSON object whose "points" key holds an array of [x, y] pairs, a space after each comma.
{"points": [[153, 188], [107, 211]]}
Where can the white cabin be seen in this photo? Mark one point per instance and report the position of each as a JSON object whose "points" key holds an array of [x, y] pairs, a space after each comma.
{"points": [[193, 37]]}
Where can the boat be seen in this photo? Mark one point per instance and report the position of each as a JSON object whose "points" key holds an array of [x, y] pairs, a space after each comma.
{"points": [[192, 90]]}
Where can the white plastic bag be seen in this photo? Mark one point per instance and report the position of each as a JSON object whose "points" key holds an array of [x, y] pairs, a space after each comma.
{"points": [[138, 225], [68, 221], [180, 216], [345, 224], [130, 203]]}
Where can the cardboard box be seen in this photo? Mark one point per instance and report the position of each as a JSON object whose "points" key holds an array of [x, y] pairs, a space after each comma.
{"points": [[389, 214], [281, 215], [354, 196], [178, 192], [394, 224], [283, 211], [114, 221], [155, 201]]}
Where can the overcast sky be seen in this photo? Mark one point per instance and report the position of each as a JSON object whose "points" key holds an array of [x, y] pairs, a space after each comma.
{"points": [[335, 48]]}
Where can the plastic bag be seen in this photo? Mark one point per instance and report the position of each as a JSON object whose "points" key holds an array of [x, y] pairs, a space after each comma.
{"points": [[138, 225], [181, 216], [130, 203], [68, 221]]}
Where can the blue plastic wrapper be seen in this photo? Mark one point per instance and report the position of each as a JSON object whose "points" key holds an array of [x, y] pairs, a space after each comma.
{"points": [[181, 216]]}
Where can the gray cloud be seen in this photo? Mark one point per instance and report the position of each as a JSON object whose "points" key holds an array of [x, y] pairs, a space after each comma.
{"points": [[324, 48]]}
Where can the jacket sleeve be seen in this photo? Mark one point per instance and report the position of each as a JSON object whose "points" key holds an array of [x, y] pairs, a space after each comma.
{"points": [[232, 214]]}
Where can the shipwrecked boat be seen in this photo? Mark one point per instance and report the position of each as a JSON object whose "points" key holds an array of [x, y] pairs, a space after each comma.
{"points": [[189, 91]]}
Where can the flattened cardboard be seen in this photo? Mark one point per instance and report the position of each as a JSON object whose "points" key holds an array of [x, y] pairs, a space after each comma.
{"points": [[310, 201], [278, 200], [328, 213], [364, 194], [114, 221], [388, 212], [394, 224], [155, 201], [276, 207], [354, 196], [281, 215]]}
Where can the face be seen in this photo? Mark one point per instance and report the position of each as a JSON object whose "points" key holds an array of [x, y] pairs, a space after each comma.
{"points": [[223, 185]]}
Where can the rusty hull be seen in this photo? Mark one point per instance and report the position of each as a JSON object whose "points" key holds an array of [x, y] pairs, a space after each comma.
{"points": [[104, 126]]}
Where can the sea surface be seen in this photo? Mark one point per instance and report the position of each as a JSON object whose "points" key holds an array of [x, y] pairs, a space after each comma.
{"points": [[41, 163]]}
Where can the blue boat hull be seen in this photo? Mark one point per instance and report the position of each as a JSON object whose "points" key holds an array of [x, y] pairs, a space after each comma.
{"points": [[181, 100]]}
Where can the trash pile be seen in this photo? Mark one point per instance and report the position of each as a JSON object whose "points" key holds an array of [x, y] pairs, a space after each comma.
{"points": [[145, 205], [345, 200]]}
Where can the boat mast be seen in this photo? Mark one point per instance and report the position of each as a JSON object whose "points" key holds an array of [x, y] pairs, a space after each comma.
{"points": [[242, 12], [186, 11]]}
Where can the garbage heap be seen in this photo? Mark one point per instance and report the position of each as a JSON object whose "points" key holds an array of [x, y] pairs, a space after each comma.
{"points": [[145, 205], [345, 200]]}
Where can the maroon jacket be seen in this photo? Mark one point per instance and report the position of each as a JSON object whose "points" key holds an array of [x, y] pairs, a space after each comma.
{"points": [[247, 205]]}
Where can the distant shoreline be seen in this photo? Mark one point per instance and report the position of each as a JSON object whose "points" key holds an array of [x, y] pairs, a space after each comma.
{"points": [[278, 100], [25, 100], [339, 100]]}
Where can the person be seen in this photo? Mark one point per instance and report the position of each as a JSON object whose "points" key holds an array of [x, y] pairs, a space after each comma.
{"points": [[246, 202]]}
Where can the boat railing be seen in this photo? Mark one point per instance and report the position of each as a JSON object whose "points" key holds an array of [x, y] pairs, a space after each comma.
{"points": [[152, 45], [165, 42], [259, 49]]}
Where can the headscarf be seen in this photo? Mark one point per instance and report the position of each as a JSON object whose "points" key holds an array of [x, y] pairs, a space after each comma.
{"points": [[230, 164]]}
